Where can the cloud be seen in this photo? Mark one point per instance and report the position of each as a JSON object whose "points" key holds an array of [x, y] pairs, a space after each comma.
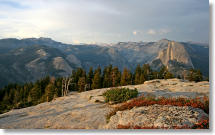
{"points": [[161, 31], [76, 41], [60, 20], [164, 31], [134, 32], [138, 32], [152, 32], [110, 21], [12, 4]]}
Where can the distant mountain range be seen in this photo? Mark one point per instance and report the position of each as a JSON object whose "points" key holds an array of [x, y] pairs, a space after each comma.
{"points": [[33, 58]]}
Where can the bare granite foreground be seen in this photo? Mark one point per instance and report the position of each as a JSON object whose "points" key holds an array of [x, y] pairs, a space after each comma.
{"points": [[159, 116], [87, 110]]}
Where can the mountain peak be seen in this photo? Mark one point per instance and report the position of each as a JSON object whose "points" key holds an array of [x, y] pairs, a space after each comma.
{"points": [[40, 38], [175, 52], [45, 39], [164, 40]]}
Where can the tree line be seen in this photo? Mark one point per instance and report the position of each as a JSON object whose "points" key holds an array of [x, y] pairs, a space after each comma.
{"points": [[48, 88]]}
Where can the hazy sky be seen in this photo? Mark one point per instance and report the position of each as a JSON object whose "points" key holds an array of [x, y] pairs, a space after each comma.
{"points": [[107, 21]]}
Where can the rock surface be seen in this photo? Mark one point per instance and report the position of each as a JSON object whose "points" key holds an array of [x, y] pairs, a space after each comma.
{"points": [[173, 88], [158, 116], [87, 110], [177, 52], [72, 112]]}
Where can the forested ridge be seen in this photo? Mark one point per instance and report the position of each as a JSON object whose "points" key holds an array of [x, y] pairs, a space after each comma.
{"points": [[46, 89]]}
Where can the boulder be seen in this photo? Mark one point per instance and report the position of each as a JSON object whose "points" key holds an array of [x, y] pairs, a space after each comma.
{"points": [[158, 116]]}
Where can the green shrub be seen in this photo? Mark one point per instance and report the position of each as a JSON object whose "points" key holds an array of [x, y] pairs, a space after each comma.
{"points": [[118, 95]]}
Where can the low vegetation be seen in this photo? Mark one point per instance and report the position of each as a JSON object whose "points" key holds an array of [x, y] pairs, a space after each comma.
{"points": [[147, 101], [118, 95], [195, 75], [202, 124]]}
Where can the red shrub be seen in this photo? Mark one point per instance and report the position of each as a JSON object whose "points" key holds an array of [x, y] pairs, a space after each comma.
{"points": [[144, 101], [203, 124]]}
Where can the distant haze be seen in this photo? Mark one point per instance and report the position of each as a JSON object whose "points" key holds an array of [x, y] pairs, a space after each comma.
{"points": [[105, 21]]}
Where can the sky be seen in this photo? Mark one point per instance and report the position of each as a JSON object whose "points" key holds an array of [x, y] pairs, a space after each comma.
{"points": [[105, 21]]}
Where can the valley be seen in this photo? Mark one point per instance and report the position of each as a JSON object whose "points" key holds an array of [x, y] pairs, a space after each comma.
{"points": [[27, 60]]}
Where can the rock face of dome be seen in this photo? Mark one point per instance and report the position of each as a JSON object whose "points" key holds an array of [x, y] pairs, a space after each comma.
{"points": [[175, 52]]}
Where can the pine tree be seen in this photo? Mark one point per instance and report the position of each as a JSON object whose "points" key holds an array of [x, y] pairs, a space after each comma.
{"points": [[195, 75], [116, 77], [76, 74], [98, 70], [155, 75], [90, 77], [107, 78], [199, 76], [190, 76], [165, 74], [50, 91], [168, 75], [34, 95], [74, 77], [162, 72], [126, 78], [79, 73], [137, 75], [11, 95], [81, 84], [6, 98], [27, 87], [142, 78], [58, 85], [147, 72], [17, 97], [96, 81]]}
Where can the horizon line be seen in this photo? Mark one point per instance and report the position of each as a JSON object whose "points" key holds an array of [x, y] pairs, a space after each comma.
{"points": [[97, 43]]}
